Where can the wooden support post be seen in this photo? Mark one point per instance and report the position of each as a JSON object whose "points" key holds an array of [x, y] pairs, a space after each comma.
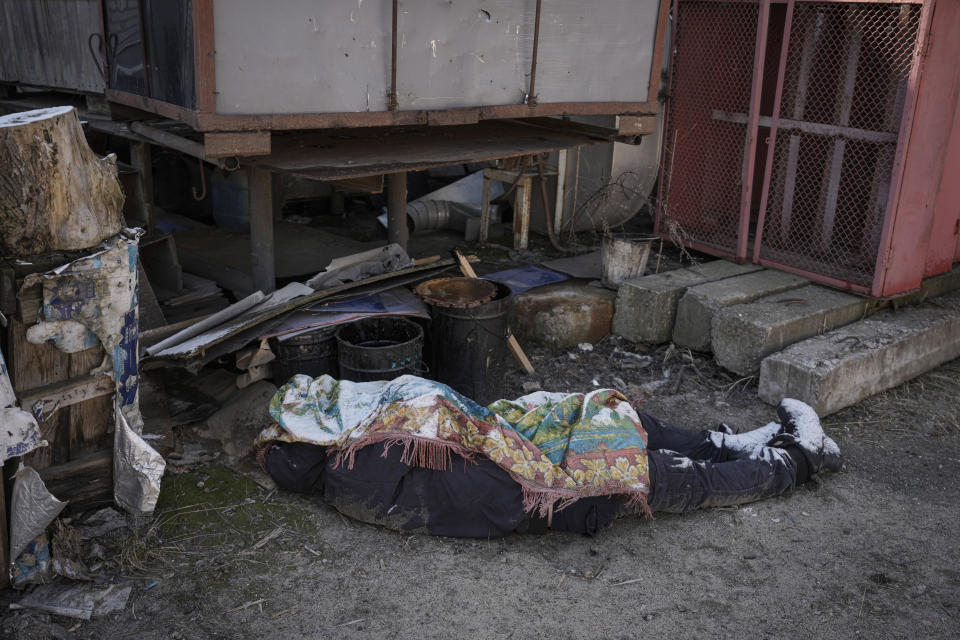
{"points": [[521, 213], [260, 201], [141, 161], [397, 231], [485, 208]]}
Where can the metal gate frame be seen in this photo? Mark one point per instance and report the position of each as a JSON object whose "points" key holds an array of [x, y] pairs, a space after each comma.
{"points": [[742, 250]]}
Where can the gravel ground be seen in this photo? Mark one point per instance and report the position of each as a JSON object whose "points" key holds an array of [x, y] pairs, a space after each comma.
{"points": [[869, 551]]}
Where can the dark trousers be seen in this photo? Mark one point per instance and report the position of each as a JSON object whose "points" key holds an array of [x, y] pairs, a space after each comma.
{"points": [[691, 470]]}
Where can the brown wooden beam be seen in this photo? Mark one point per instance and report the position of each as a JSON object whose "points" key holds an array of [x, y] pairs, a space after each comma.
{"points": [[397, 231], [260, 202], [237, 143]]}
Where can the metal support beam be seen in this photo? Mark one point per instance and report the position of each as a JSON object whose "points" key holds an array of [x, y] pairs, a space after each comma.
{"points": [[260, 201], [397, 231]]}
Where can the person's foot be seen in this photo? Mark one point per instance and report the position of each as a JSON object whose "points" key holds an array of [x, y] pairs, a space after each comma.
{"points": [[801, 426], [746, 443]]}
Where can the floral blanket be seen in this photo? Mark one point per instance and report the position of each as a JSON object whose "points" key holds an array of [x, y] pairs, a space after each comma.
{"points": [[559, 447]]}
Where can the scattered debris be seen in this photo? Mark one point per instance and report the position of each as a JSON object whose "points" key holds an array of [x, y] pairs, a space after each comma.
{"points": [[79, 601]]}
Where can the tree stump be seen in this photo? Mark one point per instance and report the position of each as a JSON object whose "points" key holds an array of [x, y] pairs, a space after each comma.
{"points": [[55, 193]]}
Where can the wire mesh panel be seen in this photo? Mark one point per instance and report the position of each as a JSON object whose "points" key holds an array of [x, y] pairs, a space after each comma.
{"points": [[843, 97], [703, 159]]}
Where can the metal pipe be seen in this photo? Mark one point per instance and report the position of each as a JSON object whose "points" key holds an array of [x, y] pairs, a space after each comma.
{"points": [[393, 59], [397, 231], [532, 94]]}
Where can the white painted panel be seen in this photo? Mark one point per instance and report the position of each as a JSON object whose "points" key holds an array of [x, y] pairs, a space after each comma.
{"points": [[463, 54], [316, 56], [302, 56], [596, 51]]}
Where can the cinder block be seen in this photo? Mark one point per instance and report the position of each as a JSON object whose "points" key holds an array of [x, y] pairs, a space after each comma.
{"points": [[840, 368], [647, 306], [700, 303], [562, 315], [744, 334]]}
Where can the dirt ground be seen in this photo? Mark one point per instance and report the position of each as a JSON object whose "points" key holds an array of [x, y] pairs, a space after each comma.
{"points": [[869, 551]]}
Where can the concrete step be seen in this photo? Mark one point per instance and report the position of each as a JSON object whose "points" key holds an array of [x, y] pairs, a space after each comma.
{"points": [[744, 334], [842, 367], [647, 306], [700, 303]]}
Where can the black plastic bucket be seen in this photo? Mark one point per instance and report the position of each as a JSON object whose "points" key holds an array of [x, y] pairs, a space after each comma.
{"points": [[313, 353], [379, 349], [470, 346]]}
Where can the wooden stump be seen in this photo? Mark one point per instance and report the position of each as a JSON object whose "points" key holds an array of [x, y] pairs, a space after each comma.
{"points": [[55, 193]]}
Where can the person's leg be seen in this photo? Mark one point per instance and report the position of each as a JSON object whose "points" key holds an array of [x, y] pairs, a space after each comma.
{"points": [[751, 471], [679, 484], [712, 445]]}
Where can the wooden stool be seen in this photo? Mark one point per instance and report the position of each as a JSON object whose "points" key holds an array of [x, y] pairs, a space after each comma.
{"points": [[521, 201]]}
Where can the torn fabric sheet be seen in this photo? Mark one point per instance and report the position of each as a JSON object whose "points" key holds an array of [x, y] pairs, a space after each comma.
{"points": [[32, 509], [19, 431], [91, 299], [559, 447], [137, 470]]}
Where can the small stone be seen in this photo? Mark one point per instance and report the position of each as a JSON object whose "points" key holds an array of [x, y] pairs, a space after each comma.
{"points": [[531, 385], [585, 346]]}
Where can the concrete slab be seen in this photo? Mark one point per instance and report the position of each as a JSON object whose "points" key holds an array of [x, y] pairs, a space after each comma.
{"points": [[840, 368], [647, 306], [562, 315], [700, 303], [744, 334]]}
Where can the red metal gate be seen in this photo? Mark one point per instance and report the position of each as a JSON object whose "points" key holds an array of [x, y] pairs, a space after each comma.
{"points": [[825, 86]]}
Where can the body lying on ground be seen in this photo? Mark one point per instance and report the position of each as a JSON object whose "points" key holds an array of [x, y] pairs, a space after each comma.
{"points": [[413, 455]]}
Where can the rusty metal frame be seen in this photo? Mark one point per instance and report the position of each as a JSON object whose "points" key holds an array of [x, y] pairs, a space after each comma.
{"points": [[204, 116]]}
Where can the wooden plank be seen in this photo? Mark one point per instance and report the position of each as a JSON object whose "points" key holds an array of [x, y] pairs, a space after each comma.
{"points": [[636, 125], [37, 365], [85, 482], [243, 143], [521, 213], [512, 344], [368, 184], [74, 390], [90, 417]]}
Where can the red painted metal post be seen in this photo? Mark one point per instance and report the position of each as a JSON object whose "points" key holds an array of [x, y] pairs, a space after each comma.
{"points": [[774, 123], [746, 193], [906, 126]]}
